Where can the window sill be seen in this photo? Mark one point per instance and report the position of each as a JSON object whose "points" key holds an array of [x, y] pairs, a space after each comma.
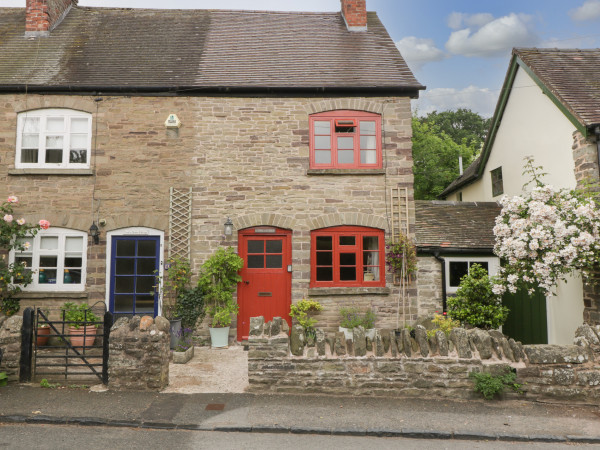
{"points": [[363, 290], [345, 172], [79, 172], [52, 294]]}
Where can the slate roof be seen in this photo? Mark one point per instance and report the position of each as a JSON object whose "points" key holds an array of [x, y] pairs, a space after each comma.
{"points": [[455, 225], [571, 77], [145, 49]]}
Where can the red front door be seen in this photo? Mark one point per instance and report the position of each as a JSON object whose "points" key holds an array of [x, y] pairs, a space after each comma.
{"points": [[266, 287]]}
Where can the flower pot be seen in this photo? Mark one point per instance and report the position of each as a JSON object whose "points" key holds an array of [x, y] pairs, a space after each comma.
{"points": [[78, 339], [348, 333], [183, 357], [219, 337], [43, 334], [175, 331]]}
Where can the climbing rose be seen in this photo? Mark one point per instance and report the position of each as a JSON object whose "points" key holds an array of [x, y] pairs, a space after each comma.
{"points": [[44, 224], [8, 218], [21, 221], [12, 199]]}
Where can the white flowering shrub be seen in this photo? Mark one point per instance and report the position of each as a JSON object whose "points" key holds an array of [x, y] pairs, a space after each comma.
{"points": [[544, 236]]}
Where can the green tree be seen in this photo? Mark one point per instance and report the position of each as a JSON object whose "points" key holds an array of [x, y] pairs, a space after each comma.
{"points": [[435, 156], [463, 126]]}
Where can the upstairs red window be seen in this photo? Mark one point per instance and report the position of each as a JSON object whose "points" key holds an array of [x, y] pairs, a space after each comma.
{"points": [[347, 256], [345, 140]]}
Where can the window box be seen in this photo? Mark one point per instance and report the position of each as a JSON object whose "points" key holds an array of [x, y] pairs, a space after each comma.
{"points": [[345, 140], [53, 139], [347, 256]]}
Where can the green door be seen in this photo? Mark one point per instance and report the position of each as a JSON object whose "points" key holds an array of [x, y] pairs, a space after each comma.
{"points": [[527, 321]]}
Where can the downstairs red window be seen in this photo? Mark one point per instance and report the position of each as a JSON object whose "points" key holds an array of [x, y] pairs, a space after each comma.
{"points": [[346, 140], [347, 256]]}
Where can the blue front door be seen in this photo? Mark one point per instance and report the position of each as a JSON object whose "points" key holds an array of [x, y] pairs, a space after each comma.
{"points": [[133, 269]]}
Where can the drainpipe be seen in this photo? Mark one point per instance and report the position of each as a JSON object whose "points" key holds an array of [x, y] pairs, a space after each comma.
{"points": [[442, 261], [597, 133]]}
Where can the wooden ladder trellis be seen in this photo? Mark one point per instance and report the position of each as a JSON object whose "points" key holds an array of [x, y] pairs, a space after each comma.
{"points": [[180, 222], [399, 225]]}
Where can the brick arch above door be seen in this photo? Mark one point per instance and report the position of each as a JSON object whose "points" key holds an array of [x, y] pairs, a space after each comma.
{"points": [[154, 221]]}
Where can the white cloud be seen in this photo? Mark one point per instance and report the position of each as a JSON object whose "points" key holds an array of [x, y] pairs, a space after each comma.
{"points": [[479, 100], [457, 20], [418, 51], [494, 38], [590, 10]]}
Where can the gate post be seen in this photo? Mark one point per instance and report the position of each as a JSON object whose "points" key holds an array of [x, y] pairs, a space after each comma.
{"points": [[108, 323], [26, 346]]}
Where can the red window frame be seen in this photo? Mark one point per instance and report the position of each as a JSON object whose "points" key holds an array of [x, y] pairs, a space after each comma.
{"points": [[342, 243], [370, 152]]}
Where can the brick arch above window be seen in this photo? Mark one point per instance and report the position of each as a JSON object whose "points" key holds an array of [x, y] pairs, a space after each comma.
{"points": [[339, 219], [266, 219], [354, 104]]}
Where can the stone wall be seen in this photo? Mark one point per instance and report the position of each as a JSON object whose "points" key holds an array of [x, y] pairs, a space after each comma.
{"points": [[245, 158], [429, 286], [139, 353], [10, 343], [585, 155], [418, 365]]}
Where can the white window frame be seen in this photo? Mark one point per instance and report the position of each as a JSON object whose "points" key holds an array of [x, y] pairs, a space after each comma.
{"points": [[43, 115], [59, 285], [493, 267]]}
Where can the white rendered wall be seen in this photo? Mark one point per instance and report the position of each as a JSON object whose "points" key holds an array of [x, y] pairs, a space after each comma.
{"points": [[534, 126]]}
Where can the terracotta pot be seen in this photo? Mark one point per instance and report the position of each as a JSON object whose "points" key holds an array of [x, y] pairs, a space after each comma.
{"points": [[43, 333], [78, 339]]}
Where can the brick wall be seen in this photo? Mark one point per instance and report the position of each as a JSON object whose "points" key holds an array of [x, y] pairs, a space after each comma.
{"points": [[245, 158], [585, 155]]}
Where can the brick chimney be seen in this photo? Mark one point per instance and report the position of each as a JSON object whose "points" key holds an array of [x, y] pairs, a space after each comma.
{"points": [[42, 16], [355, 14]]}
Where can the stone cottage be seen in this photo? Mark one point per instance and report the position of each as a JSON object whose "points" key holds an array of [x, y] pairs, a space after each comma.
{"points": [[157, 127]]}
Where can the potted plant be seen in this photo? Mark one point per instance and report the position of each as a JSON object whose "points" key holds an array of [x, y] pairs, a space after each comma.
{"points": [[352, 317], [83, 323], [218, 280], [43, 329], [184, 350]]}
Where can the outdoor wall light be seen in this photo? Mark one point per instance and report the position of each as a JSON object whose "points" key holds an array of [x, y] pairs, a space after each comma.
{"points": [[95, 233], [228, 227]]}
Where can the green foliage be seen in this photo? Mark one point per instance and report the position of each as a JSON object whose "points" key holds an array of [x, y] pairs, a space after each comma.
{"points": [[190, 306], [15, 234], [401, 252], [352, 317], [475, 304], [443, 323], [302, 311], [45, 384], [185, 340], [435, 156], [176, 281], [79, 315], [463, 126], [3, 379], [218, 281], [491, 385]]}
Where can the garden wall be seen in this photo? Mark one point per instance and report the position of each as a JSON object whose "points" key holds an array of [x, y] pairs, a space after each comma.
{"points": [[418, 366]]}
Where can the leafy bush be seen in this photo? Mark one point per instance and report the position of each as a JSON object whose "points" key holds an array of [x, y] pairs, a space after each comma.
{"points": [[190, 307], [491, 385], [301, 312], [352, 317], [475, 303], [443, 323]]}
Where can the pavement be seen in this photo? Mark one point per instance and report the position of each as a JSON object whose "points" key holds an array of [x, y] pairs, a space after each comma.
{"points": [[507, 420]]}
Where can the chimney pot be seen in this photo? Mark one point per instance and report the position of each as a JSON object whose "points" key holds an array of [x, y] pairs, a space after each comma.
{"points": [[355, 14]]}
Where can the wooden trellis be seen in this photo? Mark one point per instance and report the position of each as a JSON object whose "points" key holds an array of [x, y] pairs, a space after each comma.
{"points": [[180, 222], [399, 212]]}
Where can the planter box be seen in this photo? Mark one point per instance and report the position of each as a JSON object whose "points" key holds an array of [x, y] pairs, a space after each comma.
{"points": [[183, 357]]}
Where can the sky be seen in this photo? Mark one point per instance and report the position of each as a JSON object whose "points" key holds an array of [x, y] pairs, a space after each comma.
{"points": [[459, 49]]}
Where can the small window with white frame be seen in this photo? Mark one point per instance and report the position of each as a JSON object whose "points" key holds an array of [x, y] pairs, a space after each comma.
{"points": [[53, 139], [457, 267], [57, 258]]}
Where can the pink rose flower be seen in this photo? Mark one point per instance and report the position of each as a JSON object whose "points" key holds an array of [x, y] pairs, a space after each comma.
{"points": [[44, 224], [21, 221], [8, 218], [12, 199]]}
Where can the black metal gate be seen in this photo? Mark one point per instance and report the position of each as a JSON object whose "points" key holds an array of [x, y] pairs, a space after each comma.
{"points": [[57, 349]]}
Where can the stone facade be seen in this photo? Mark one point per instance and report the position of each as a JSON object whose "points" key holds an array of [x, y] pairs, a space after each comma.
{"points": [[10, 343], [420, 366], [139, 354], [585, 155], [244, 158], [429, 286]]}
